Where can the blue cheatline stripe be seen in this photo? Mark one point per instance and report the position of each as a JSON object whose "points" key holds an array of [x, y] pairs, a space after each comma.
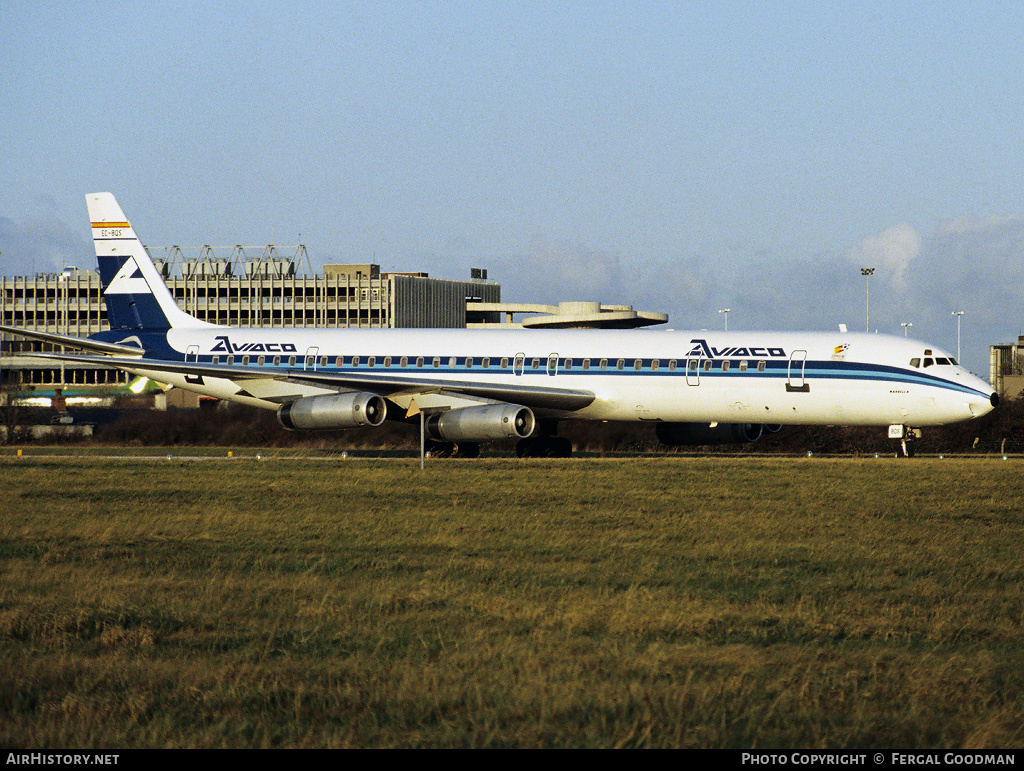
{"points": [[775, 369]]}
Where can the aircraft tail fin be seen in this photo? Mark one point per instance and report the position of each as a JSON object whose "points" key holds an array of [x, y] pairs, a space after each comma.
{"points": [[134, 291]]}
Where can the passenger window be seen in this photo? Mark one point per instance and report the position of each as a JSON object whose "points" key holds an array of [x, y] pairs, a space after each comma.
{"points": [[486, 363], [245, 361], [586, 364], [404, 362], [725, 365], [672, 365], [339, 361], [371, 362], [654, 365], [568, 364], [277, 360], [260, 360], [708, 364], [604, 363], [638, 364], [760, 366], [387, 361], [620, 364], [535, 364], [504, 362], [215, 360], [437, 362], [291, 361], [743, 365], [469, 362], [691, 365], [231, 360], [419, 361], [452, 362]]}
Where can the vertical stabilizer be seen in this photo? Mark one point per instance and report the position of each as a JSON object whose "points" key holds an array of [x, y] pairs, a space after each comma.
{"points": [[135, 294]]}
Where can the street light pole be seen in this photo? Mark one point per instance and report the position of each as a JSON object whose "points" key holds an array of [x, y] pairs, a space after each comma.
{"points": [[866, 272], [726, 312], [958, 314]]}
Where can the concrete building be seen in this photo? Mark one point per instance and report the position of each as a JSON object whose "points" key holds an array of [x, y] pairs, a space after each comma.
{"points": [[1006, 369], [567, 315], [267, 292]]}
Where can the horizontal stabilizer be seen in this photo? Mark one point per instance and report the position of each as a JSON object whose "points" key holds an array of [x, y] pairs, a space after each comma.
{"points": [[82, 343]]}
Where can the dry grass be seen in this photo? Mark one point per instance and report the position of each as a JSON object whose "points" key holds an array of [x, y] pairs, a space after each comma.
{"points": [[635, 603]]}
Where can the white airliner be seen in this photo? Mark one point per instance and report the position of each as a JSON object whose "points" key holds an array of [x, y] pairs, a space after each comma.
{"points": [[472, 386]]}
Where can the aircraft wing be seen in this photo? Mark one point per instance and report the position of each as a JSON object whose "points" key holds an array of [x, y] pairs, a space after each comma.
{"points": [[83, 343], [385, 384]]}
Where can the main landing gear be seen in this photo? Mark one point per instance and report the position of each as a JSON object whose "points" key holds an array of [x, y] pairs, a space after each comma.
{"points": [[452, 449], [547, 445]]}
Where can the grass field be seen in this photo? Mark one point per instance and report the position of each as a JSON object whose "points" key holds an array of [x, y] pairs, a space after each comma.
{"points": [[677, 602]]}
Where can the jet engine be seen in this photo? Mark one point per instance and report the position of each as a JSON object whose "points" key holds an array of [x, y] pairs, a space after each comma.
{"points": [[480, 424], [685, 434], [347, 410]]}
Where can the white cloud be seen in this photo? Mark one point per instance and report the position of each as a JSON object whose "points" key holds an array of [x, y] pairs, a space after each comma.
{"points": [[891, 253]]}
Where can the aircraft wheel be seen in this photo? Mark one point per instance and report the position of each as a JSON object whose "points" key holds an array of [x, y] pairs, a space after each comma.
{"points": [[440, 449], [467, 450], [561, 447]]}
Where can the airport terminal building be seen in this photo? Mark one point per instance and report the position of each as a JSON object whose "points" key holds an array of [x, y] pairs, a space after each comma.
{"points": [[268, 292]]}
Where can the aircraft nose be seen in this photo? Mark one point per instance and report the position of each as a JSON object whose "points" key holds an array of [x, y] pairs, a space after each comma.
{"points": [[981, 406]]}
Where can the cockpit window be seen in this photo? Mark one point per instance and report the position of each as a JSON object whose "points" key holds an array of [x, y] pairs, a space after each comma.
{"points": [[929, 361], [941, 360], [916, 362]]}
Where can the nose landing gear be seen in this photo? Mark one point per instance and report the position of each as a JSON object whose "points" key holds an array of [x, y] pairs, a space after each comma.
{"points": [[906, 437]]}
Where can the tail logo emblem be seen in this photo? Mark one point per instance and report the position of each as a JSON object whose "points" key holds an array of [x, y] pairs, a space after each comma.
{"points": [[129, 280]]}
